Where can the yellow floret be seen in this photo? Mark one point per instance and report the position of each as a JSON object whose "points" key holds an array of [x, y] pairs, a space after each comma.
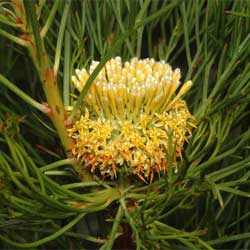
{"points": [[131, 109]]}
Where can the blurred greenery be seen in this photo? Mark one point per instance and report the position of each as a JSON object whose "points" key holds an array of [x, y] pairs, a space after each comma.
{"points": [[46, 204]]}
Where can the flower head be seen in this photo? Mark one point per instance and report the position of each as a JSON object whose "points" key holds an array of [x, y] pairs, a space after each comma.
{"points": [[132, 114]]}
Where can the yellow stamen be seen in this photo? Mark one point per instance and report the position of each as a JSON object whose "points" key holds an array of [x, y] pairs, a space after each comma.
{"points": [[130, 110]]}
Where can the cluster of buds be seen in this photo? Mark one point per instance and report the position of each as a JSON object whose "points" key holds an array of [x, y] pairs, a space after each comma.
{"points": [[132, 111]]}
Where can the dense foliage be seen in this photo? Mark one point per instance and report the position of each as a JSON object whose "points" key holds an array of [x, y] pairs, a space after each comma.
{"points": [[45, 203]]}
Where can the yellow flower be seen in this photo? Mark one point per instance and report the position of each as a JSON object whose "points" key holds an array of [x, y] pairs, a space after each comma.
{"points": [[130, 111]]}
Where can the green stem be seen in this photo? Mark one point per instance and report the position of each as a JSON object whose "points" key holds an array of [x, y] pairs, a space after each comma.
{"points": [[31, 14], [45, 71], [57, 164], [14, 38], [113, 234], [186, 38], [230, 238], [131, 223], [67, 69], [60, 37], [22, 95], [50, 19], [69, 234], [54, 100], [46, 239]]}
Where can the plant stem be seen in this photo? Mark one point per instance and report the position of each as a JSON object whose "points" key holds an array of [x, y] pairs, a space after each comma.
{"points": [[40, 58], [14, 38], [22, 95], [46, 239], [114, 230], [54, 100]]}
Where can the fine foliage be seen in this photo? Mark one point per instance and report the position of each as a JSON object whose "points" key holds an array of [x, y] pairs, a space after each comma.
{"points": [[48, 200]]}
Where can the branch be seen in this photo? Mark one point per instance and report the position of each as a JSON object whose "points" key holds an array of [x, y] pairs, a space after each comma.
{"points": [[22, 95]]}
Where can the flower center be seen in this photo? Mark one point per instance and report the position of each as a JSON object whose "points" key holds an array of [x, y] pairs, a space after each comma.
{"points": [[130, 111], [125, 92]]}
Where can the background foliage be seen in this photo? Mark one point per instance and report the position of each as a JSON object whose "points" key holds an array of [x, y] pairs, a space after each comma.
{"points": [[46, 204]]}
